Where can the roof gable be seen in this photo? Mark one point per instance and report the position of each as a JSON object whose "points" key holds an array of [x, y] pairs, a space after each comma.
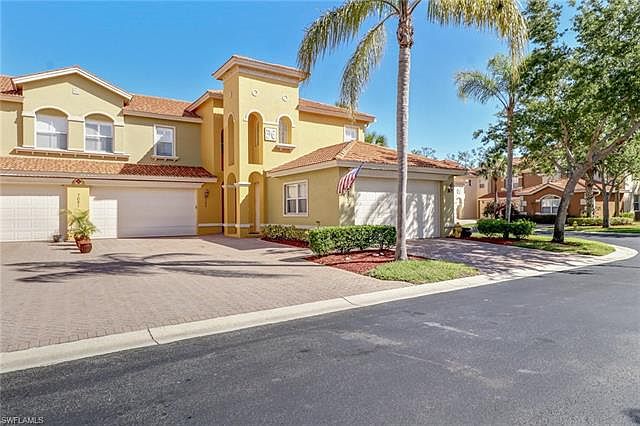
{"points": [[18, 81]]}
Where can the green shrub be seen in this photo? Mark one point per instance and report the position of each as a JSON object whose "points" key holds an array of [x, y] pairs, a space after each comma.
{"points": [[624, 220], [285, 232], [585, 221], [491, 227], [629, 215], [521, 228], [346, 238]]}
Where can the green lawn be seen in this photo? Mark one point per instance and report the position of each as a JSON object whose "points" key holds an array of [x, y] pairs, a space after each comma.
{"points": [[571, 245], [623, 229], [422, 271]]}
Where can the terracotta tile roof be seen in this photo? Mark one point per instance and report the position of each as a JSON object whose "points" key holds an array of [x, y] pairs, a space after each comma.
{"points": [[501, 194], [307, 105], [361, 152], [7, 87], [72, 166], [157, 105]]}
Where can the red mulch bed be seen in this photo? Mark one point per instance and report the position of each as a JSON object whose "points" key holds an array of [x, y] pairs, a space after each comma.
{"points": [[501, 241], [359, 262], [294, 243]]}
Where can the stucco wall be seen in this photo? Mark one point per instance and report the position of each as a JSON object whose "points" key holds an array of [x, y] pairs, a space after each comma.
{"points": [[323, 201]]}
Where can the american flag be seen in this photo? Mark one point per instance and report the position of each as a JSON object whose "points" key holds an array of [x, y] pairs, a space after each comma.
{"points": [[346, 181]]}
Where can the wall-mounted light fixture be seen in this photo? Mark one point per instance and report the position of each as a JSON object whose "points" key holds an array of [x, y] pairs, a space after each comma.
{"points": [[206, 196], [450, 187]]}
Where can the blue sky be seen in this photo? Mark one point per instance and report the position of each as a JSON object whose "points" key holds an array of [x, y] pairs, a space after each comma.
{"points": [[171, 48]]}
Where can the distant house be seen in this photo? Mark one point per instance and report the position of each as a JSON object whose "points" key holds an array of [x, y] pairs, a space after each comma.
{"points": [[535, 194]]}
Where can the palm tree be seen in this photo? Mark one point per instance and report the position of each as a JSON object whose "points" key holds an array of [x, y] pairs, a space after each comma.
{"points": [[343, 24], [493, 167], [375, 139], [501, 83]]}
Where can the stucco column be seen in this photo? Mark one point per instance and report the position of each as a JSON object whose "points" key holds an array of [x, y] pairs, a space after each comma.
{"points": [[447, 206], [244, 208], [77, 199]]}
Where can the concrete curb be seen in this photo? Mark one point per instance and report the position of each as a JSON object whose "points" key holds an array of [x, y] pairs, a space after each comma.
{"points": [[54, 354]]}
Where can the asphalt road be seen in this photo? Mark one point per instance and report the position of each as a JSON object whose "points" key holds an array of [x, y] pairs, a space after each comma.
{"points": [[562, 348]]}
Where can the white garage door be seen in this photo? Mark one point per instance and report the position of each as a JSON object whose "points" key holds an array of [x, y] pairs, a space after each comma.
{"points": [[30, 212], [376, 205], [142, 212]]}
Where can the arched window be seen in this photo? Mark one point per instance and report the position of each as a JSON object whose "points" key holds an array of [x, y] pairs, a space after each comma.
{"points": [[231, 140], [254, 141], [51, 130], [284, 130], [549, 204]]}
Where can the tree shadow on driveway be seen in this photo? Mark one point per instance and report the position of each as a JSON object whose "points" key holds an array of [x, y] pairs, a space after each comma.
{"points": [[127, 264]]}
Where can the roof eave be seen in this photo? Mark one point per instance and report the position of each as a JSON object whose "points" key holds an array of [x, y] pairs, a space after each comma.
{"points": [[29, 173], [161, 116]]}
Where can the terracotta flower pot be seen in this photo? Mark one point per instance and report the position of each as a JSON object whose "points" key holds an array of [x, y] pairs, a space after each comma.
{"points": [[84, 245]]}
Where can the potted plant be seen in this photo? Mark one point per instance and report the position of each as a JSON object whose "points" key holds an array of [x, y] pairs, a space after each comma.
{"points": [[81, 229], [75, 217]]}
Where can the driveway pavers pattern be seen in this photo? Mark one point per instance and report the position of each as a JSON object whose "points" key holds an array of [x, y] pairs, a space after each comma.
{"points": [[52, 294]]}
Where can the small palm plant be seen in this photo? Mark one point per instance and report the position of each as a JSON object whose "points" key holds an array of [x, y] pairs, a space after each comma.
{"points": [[493, 167], [81, 229]]}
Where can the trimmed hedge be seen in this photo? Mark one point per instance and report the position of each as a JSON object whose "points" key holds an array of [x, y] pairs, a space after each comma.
{"points": [[285, 232], [597, 221], [520, 229], [614, 221], [585, 221], [346, 238]]}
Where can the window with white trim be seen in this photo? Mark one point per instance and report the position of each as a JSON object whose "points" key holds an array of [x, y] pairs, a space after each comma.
{"points": [[350, 133], [515, 184], [636, 202], [98, 136], [165, 142], [51, 132], [549, 205], [295, 199]]}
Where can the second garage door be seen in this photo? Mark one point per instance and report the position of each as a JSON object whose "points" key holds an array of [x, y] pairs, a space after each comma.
{"points": [[375, 204], [143, 212]]}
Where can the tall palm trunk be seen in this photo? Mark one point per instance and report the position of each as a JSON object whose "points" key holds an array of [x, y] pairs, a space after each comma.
{"points": [[509, 183], [405, 41]]}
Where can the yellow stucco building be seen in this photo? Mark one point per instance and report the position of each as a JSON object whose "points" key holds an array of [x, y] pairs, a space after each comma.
{"points": [[233, 160]]}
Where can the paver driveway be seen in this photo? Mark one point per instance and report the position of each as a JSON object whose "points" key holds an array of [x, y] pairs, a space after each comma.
{"points": [[52, 294]]}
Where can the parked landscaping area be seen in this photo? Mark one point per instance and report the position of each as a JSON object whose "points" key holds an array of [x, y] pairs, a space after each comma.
{"points": [[350, 248], [633, 228], [491, 231]]}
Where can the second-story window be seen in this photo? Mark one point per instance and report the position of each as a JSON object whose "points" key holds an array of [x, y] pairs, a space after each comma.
{"points": [[284, 131], [98, 136], [350, 133], [165, 143], [51, 132]]}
